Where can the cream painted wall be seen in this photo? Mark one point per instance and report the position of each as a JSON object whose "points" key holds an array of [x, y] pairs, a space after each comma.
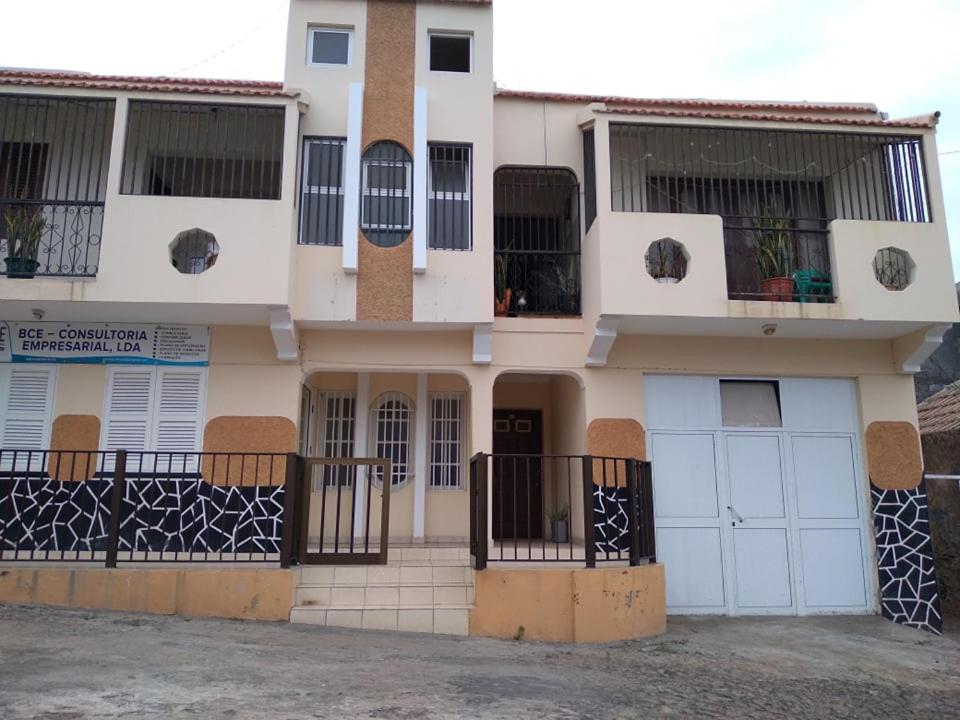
{"points": [[80, 390]]}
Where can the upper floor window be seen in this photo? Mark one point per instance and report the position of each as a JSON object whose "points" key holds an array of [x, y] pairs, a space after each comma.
{"points": [[451, 52], [386, 208], [448, 213], [203, 150], [321, 206], [330, 46]]}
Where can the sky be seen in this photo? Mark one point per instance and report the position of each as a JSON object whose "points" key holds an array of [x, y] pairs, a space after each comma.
{"points": [[901, 56]]}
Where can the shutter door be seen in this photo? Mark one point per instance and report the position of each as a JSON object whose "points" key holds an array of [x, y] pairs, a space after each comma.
{"points": [[179, 417], [129, 406], [26, 412]]}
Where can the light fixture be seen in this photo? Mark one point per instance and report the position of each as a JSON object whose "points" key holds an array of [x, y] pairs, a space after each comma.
{"points": [[769, 329]]}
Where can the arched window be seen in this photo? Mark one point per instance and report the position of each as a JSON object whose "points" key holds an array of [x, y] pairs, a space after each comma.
{"points": [[386, 202], [392, 423]]}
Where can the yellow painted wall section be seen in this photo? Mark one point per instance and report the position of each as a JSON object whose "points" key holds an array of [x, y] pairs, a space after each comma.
{"points": [[225, 593], [570, 605]]}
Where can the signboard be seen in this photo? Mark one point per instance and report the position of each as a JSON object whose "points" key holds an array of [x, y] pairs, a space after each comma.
{"points": [[104, 343]]}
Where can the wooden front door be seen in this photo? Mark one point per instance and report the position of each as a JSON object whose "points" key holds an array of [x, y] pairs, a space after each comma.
{"points": [[517, 474]]}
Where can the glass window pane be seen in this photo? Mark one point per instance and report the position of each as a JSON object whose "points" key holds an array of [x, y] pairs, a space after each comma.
{"points": [[331, 47], [450, 53], [750, 404]]}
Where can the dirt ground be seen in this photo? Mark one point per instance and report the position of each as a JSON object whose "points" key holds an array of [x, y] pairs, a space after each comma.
{"points": [[67, 665]]}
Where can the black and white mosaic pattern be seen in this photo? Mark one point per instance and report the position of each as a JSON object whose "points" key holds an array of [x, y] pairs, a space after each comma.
{"points": [[157, 515], [611, 533], [908, 578]]}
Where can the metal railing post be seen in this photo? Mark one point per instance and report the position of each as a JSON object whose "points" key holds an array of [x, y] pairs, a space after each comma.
{"points": [[293, 471], [633, 520], [589, 532], [483, 544], [116, 502], [648, 534]]}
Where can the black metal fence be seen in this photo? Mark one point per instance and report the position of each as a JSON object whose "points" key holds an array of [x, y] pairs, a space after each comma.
{"points": [[560, 508], [111, 507], [54, 157], [537, 241], [209, 150]]}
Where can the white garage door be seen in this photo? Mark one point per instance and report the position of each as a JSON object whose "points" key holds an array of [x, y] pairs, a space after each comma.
{"points": [[759, 498]]}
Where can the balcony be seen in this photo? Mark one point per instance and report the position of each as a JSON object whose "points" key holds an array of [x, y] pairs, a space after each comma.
{"points": [[536, 242], [54, 156], [776, 193]]}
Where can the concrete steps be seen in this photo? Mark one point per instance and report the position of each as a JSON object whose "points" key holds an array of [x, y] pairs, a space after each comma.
{"points": [[422, 589]]}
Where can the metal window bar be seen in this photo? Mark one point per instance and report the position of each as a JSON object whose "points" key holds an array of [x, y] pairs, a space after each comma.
{"points": [[203, 150], [449, 211], [892, 268], [322, 193], [392, 418], [386, 198], [337, 424], [589, 178], [54, 155], [537, 239], [446, 439]]}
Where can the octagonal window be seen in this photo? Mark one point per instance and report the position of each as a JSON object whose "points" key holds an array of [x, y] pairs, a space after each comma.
{"points": [[893, 268], [194, 251], [667, 261]]}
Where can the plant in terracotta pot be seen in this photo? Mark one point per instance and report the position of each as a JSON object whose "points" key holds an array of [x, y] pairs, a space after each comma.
{"points": [[775, 257], [501, 293], [23, 229], [559, 524]]}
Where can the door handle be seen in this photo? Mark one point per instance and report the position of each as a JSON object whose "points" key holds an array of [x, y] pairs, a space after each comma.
{"points": [[737, 517]]}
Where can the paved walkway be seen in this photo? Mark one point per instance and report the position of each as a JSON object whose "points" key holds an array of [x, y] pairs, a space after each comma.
{"points": [[68, 665]]}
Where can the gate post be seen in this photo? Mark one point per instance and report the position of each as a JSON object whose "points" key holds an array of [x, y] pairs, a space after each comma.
{"points": [[633, 522], [292, 475], [116, 502], [589, 532]]}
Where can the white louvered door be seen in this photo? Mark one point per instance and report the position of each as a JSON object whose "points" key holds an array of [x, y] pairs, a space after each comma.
{"points": [[129, 408], [26, 409], [179, 416]]}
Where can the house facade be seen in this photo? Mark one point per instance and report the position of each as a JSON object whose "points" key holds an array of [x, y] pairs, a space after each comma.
{"points": [[523, 347]]}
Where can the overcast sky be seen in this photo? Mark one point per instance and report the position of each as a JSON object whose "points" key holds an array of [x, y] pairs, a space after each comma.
{"points": [[901, 55]]}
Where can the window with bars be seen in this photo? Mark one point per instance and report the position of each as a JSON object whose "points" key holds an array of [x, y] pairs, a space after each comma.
{"points": [[203, 150], [386, 204], [321, 207], [446, 439], [450, 184], [392, 421], [338, 410]]}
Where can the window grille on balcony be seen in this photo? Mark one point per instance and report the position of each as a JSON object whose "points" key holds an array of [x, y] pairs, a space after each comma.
{"points": [[536, 234], [450, 188], [768, 184], [321, 206], [203, 150], [54, 157]]}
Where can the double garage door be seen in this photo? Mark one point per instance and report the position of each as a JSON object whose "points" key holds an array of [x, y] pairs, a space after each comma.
{"points": [[760, 500]]}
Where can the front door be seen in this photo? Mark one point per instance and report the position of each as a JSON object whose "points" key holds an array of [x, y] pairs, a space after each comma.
{"points": [[517, 474]]}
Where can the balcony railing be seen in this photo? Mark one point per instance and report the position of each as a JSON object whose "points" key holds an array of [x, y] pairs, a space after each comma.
{"points": [[54, 156], [540, 283]]}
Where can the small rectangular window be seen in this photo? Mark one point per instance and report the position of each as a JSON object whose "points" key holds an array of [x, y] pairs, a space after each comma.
{"points": [[750, 403], [446, 439], [330, 46], [321, 207], [449, 208], [386, 195], [450, 52], [336, 428]]}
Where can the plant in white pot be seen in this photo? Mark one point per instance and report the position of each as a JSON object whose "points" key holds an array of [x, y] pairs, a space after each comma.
{"points": [[23, 229], [560, 524]]}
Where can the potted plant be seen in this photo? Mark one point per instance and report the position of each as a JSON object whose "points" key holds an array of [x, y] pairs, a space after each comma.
{"points": [[501, 296], [559, 524], [662, 263], [774, 254], [23, 228], [560, 283]]}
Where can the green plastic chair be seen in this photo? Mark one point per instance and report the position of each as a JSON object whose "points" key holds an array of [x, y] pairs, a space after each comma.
{"points": [[813, 285]]}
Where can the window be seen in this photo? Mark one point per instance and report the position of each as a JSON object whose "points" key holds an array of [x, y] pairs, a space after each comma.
{"points": [[26, 408], [750, 403], [203, 150], [392, 421], [589, 178], [337, 421], [330, 46], [155, 409], [449, 217], [446, 439], [321, 208], [193, 252], [386, 208], [450, 52]]}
